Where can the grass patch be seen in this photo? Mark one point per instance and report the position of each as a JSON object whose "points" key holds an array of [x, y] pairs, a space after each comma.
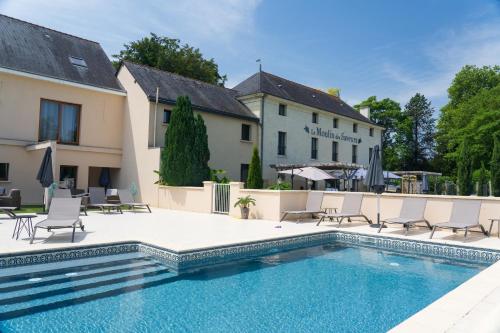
{"points": [[30, 209]]}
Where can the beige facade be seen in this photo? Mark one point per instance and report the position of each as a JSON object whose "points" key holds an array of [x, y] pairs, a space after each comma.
{"points": [[100, 131], [144, 136], [299, 128]]}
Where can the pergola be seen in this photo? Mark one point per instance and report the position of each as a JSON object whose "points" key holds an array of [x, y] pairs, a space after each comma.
{"points": [[406, 174], [348, 169]]}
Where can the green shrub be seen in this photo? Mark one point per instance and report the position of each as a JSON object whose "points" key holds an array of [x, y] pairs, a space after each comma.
{"points": [[254, 179]]}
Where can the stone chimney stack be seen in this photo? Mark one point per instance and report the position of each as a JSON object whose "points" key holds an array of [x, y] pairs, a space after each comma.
{"points": [[365, 111]]}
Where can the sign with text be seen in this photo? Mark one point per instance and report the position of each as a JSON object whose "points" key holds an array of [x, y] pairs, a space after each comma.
{"points": [[329, 134]]}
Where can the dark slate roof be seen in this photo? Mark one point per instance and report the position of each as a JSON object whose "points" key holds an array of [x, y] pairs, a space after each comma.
{"points": [[270, 84], [204, 96], [33, 49]]}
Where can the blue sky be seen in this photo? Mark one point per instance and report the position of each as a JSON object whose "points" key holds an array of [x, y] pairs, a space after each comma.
{"points": [[384, 48]]}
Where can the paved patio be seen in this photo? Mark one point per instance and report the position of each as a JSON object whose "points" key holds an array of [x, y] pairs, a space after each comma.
{"points": [[179, 230]]}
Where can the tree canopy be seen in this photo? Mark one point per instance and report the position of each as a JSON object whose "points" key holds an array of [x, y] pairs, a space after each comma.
{"points": [[168, 54]]}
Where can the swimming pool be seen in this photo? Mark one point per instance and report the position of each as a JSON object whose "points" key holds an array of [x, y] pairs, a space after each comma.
{"points": [[333, 287]]}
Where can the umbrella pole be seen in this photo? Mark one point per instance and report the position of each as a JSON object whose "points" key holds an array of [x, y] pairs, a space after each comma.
{"points": [[377, 225]]}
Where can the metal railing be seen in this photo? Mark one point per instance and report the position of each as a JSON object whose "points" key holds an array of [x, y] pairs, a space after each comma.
{"points": [[220, 201]]}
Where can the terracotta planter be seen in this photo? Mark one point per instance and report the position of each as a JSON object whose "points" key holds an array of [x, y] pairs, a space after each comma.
{"points": [[244, 212]]}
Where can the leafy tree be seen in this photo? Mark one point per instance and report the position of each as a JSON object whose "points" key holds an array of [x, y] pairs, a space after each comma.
{"points": [[482, 181], [495, 167], [416, 132], [254, 179], [386, 113], [200, 151], [176, 165], [464, 176], [168, 54], [472, 113]]}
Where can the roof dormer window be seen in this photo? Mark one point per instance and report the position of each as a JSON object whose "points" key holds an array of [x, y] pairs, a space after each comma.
{"points": [[77, 62]]}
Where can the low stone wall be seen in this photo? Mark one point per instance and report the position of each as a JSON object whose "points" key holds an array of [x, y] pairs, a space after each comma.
{"points": [[193, 199]]}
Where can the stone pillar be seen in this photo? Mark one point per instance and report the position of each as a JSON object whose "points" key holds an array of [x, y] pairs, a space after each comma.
{"points": [[208, 188]]}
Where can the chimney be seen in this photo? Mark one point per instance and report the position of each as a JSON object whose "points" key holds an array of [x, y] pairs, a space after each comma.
{"points": [[365, 111]]}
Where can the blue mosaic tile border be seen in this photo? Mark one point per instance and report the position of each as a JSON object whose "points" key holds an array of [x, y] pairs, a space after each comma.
{"points": [[191, 259]]}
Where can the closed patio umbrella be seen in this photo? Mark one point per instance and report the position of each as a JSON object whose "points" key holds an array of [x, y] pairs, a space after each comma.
{"points": [[375, 179], [105, 178], [45, 175]]}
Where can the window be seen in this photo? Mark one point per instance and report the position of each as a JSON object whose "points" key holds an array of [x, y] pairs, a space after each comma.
{"points": [[244, 173], [68, 174], [355, 128], [245, 132], [315, 118], [335, 122], [335, 151], [314, 148], [166, 116], [354, 154], [370, 152], [59, 121], [4, 171], [282, 110], [77, 62], [371, 131], [282, 143]]}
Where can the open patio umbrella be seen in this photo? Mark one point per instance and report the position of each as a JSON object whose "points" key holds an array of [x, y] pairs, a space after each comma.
{"points": [[45, 175], [311, 173], [375, 179]]}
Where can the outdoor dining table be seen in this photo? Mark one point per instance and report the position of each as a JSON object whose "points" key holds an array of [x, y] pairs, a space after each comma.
{"points": [[23, 221]]}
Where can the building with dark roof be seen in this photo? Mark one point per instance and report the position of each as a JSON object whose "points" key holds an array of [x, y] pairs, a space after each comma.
{"points": [[306, 126], [58, 91]]}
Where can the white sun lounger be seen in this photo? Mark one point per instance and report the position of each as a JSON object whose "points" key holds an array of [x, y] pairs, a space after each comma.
{"points": [[464, 215], [412, 212], [66, 193], [63, 213], [127, 199], [313, 206], [351, 207], [98, 200]]}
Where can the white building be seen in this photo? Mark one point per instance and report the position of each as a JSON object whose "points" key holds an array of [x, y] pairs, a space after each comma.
{"points": [[303, 125]]}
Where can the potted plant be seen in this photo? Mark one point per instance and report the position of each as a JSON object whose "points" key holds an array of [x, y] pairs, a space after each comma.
{"points": [[244, 203]]}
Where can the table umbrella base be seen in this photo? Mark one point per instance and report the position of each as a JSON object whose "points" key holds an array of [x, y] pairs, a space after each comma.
{"points": [[377, 225]]}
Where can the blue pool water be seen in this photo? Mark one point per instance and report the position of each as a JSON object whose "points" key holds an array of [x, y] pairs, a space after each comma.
{"points": [[329, 288]]}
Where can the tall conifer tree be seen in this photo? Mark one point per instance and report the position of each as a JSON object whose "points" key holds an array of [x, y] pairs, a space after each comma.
{"points": [[254, 179]]}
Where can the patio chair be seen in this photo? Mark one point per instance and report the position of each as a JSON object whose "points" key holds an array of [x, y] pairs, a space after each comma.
{"points": [[63, 213], [351, 207], [127, 199], [313, 206], [13, 199], [98, 200], [412, 212], [464, 215], [66, 193]]}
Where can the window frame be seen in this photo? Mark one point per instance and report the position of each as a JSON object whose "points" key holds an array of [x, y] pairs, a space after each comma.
{"points": [[370, 152], [282, 148], [335, 151], [355, 127], [249, 132], [315, 118], [243, 166], [371, 131], [354, 154], [6, 172], [69, 166], [282, 107], [335, 122], [169, 117], [314, 148], [60, 105]]}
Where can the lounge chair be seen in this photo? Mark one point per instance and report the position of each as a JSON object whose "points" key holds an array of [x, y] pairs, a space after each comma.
{"points": [[464, 215], [313, 206], [98, 200], [66, 193], [351, 207], [63, 213], [412, 212], [127, 199]]}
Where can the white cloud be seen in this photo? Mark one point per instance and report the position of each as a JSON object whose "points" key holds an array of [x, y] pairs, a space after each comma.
{"points": [[446, 53], [113, 23]]}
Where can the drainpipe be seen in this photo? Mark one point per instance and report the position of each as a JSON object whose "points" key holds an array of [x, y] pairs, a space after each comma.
{"points": [[156, 112], [262, 132]]}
